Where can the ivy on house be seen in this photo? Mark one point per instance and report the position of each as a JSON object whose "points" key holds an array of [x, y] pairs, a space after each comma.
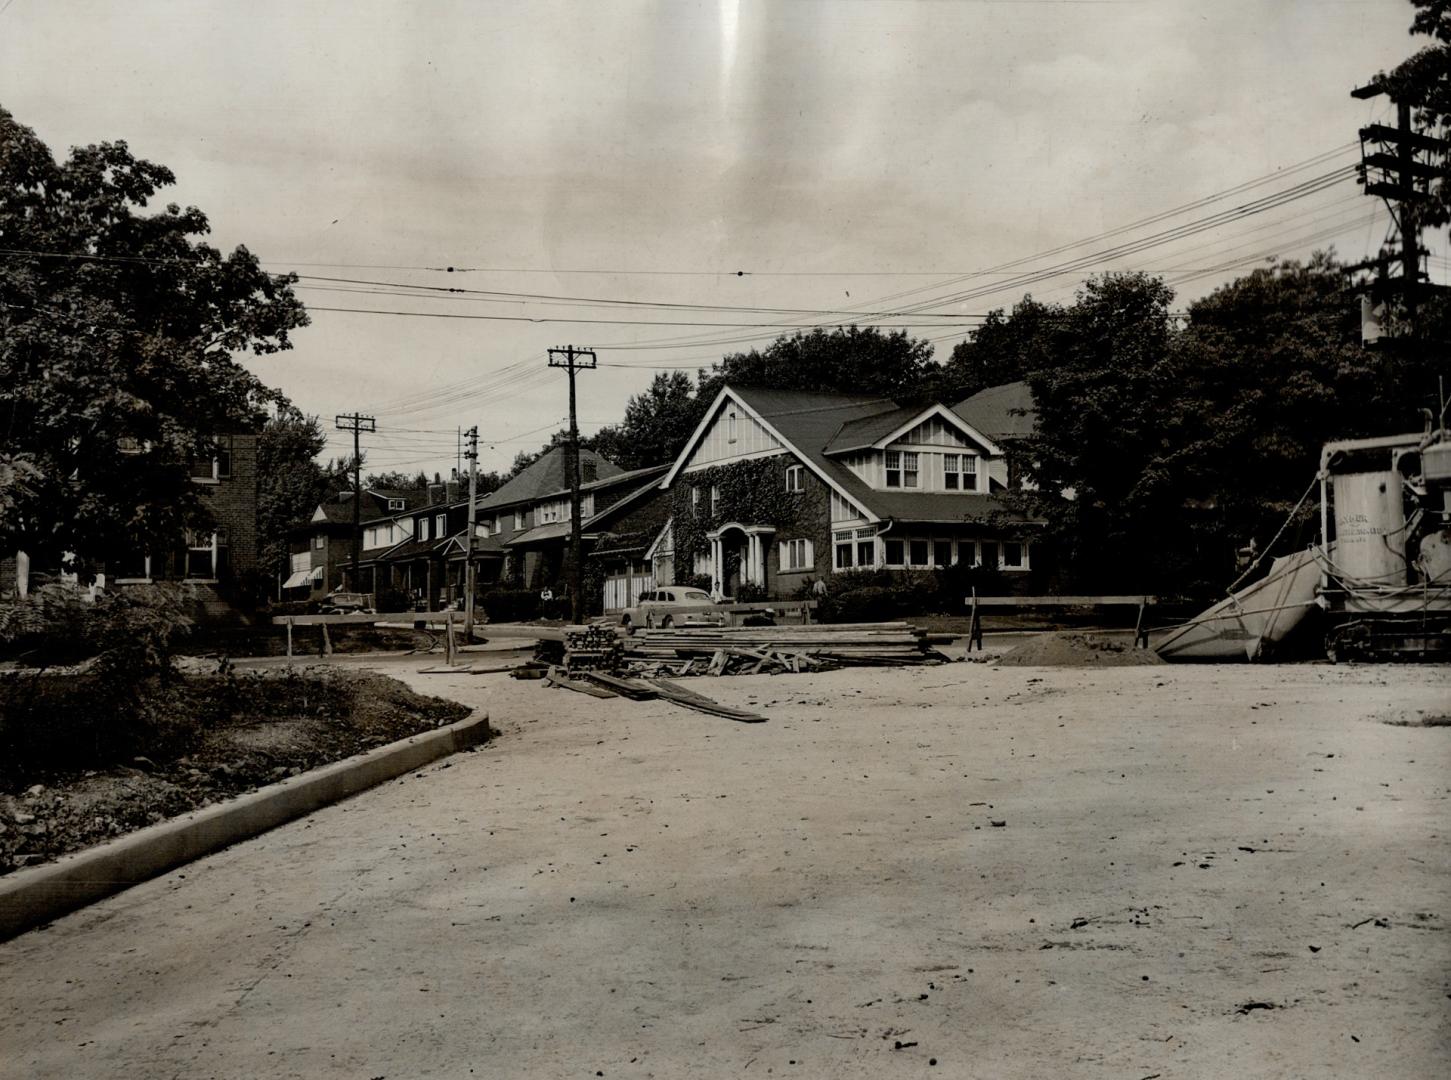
{"points": [[751, 493]]}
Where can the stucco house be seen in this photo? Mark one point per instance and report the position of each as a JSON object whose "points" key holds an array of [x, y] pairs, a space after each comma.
{"points": [[777, 488]]}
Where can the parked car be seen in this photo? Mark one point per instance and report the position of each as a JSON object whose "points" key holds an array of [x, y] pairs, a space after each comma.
{"points": [[678, 605], [346, 603]]}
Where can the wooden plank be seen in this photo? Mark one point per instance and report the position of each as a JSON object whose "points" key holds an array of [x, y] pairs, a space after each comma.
{"points": [[556, 677], [630, 688], [1062, 601]]}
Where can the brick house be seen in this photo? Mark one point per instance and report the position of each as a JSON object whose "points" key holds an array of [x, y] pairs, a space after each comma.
{"points": [[216, 562], [775, 489]]}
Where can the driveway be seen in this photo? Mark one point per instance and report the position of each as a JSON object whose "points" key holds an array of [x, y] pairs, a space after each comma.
{"points": [[1122, 873]]}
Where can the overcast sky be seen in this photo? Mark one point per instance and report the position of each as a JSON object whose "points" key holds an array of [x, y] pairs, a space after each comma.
{"points": [[838, 153]]}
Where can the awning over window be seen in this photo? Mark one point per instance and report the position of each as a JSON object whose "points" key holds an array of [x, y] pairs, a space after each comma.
{"points": [[303, 577]]}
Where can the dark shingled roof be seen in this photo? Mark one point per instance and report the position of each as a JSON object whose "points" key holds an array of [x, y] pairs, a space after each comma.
{"points": [[1000, 412], [548, 475], [856, 434], [811, 422]]}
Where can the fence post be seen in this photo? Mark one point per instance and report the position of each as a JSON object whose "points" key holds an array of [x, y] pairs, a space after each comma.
{"points": [[327, 642], [289, 637], [974, 625]]}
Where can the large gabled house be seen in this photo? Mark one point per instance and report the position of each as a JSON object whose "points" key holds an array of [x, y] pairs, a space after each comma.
{"points": [[777, 488]]}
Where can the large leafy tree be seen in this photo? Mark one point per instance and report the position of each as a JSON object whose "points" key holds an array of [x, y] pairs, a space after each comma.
{"points": [[1002, 350], [290, 481], [118, 328], [846, 360], [1424, 82], [656, 424]]}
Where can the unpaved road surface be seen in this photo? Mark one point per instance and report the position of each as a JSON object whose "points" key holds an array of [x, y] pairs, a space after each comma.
{"points": [[1201, 872]]}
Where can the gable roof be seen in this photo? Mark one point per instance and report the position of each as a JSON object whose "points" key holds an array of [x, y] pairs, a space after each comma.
{"points": [[809, 422], [875, 432], [1001, 412], [548, 476]]}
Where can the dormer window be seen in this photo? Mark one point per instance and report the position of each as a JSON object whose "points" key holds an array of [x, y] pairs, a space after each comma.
{"points": [[894, 468], [397, 504], [909, 469]]}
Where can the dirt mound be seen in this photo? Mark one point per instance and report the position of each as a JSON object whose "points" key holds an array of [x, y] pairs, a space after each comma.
{"points": [[1077, 650]]}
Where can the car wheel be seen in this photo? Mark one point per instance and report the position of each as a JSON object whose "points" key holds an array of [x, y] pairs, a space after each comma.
{"points": [[669, 622]]}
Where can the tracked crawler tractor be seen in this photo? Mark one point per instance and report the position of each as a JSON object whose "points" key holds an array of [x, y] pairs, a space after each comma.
{"points": [[1385, 547]]}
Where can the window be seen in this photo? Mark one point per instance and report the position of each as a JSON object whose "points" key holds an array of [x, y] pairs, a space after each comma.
{"points": [[397, 504], [795, 478], [440, 525], [695, 498], [894, 468], [969, 473], [201, 556], [942, 553], [731, 427], [518, 519], [222, 463], [796, 555], [714, 499], [909, 470], [866, 547], [967, 552], [895, 552], [843, 555], [319, 541], [952, 472], [918, 549], [1014, 555], [990, 554]]}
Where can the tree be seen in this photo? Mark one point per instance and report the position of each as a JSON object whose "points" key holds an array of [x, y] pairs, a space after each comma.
{"points": [[1424, 82], [656, 424], [1104, 378], [395, 479], [117, 332], [1002, 350], [290, 482], [847, 360]]}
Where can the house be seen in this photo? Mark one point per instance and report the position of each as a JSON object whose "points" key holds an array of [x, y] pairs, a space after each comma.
{"points": [[322, 549], [777, 488], [215, 561]]}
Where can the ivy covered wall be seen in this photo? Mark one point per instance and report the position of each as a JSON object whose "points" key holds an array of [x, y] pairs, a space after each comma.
{"points": [[753, 493]]}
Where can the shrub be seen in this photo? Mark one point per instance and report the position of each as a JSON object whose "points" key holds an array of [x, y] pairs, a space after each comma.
{"points": [[511, 605], [131, 632], [389, 600]]}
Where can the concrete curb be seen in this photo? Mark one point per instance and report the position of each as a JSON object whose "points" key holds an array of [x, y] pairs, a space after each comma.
{"points": [[31, 897]]}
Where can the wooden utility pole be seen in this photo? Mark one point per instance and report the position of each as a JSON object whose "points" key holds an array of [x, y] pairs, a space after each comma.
{"points": [[1391, 168], [357, 423], [573, 359], [473, 455]]}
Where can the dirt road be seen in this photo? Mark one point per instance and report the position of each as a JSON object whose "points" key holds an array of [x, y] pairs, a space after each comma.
{"points": [[1127, 873]]}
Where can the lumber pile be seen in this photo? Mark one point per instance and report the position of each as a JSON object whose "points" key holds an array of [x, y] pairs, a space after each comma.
{"points": [[769, 649]]}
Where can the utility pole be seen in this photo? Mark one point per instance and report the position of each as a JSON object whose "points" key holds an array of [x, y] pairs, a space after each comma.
{"points": [[573, 359], [1391, 169], [473, 455], [357, 423]]}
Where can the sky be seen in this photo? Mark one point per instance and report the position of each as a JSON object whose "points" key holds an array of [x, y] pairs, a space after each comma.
{"points": [[824, 159]]}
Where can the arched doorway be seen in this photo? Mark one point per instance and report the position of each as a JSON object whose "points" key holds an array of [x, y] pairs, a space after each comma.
{"points": [[738, 556]]}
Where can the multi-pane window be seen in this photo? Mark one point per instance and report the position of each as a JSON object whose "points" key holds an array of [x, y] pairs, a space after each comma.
{"points": [[518, 519], [969, 472], [952, 472], [866, 547], [795, 478], [909, 469], [894, 468], [695, 498], [990, 554], [1012, 555], [918, 550], [796, 555], [440, 525], [942, 553], [397, 504], [843, 551], [894, 552], [967, 552], [714, 499], [320, 541]]}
